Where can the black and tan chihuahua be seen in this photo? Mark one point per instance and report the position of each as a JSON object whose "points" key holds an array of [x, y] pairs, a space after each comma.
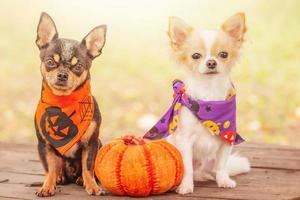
{"points": [[67, 119]]}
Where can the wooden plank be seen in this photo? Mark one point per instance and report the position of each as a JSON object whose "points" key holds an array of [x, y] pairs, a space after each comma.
{"points": [[19, 178], [271, 157], [73, 192], [267, 146], [20, 161], [18, 147], [259, 156], [275, 175], [269, 184]]}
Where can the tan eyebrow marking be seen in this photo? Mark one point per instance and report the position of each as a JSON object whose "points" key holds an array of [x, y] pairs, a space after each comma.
{"points": [[74, 61], [56, 57]]}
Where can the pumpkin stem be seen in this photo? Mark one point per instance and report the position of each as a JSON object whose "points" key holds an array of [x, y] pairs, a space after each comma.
{"points": [[130, 139]]}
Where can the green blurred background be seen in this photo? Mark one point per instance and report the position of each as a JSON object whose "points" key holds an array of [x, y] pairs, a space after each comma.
{"points": [[132, 78]]}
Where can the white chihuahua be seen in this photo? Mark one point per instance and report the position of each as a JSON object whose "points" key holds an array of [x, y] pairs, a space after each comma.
{"points": [[208, 56]]}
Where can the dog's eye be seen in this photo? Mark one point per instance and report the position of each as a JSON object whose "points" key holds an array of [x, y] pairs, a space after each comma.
{"points": [[223, 54], [196, 56], [50, 63], [78, 67]]}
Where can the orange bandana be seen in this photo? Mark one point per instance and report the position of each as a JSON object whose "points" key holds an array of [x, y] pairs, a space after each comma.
{"points": [[63, 120]]}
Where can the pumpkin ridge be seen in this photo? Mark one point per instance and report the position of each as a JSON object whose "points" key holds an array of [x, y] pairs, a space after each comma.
{"points": [[178, 174], [101, 154], [120, 186], [150, 168]]}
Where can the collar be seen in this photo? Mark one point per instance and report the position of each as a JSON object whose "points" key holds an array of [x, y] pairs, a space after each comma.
{"points": [[63, 120], [218, 116], [47, 96]]}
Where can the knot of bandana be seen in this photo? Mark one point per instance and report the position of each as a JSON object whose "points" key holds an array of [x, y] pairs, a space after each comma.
{"points": [[178, 87], [218, 116]]}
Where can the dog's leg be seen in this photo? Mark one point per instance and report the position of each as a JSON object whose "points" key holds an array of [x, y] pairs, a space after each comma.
{"points": [[185, 146], [54, 165], [41, 148], [42, 154], [222, 175], [89, 152], [203, 171], [79, 180], [61, 177]]}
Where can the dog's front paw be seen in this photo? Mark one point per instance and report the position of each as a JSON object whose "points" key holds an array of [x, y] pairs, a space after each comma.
{"points": [[61, 180], [185, 187], [94, 189], [79, 181], [46, 191], [225, 181]]}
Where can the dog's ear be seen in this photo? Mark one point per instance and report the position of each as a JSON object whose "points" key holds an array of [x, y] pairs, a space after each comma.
{"points": [[235, 26], [46, 31], [178, 30], [95, 40]]}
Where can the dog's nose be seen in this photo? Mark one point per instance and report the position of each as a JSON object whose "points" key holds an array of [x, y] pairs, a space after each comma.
{"points": [[62, 76], [211, 64]]}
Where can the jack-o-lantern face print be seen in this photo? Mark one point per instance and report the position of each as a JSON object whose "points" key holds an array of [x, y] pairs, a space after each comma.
{"points": [[57, 126]]}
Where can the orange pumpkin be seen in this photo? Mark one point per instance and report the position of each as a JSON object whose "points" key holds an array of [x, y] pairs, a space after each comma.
{"points": [[135, 167]]}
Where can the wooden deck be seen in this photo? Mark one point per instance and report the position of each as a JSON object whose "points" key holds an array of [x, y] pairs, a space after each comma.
{"points": [[275, 175]]}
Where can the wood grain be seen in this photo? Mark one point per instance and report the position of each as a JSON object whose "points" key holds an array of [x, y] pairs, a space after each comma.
{"points": [[275, 175]]}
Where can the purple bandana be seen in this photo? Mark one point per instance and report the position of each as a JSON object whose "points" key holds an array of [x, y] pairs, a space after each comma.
{"points": [[217, 116]]}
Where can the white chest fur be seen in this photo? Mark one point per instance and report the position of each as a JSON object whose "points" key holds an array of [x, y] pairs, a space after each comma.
{"points": [[190, 130], [209, 88]]}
